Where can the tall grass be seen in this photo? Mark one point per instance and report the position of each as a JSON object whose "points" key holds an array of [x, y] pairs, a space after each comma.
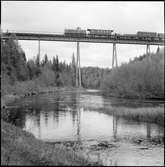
{"points": [[153, 115]]}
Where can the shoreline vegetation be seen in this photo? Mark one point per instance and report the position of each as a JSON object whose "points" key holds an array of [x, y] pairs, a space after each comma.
{"points": [[21, 93], [141, 78], [150, 115], [22, 148]]}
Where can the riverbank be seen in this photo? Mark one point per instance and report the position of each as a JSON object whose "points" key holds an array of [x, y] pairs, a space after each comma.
{"points": [[17, 94], [22, 148], [115, 153], [152, 115], [149, 114], [112, 94]]}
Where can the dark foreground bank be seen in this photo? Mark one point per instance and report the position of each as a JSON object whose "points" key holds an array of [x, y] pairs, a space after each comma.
{"points": [[21, 148]]}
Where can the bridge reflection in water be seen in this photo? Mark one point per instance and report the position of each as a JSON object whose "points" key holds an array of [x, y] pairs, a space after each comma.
{"points": [[74, 116]]}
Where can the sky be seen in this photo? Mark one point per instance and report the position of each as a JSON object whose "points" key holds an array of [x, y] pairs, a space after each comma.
{"points": [[54, 16]]}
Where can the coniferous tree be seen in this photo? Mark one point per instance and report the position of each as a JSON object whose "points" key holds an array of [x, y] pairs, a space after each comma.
{"points": [[45, 61], [13, 60], [37, 63]]}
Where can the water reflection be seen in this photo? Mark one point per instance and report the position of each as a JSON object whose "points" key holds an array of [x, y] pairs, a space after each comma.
{"points": [[148, 130], [78, 116], [14, 116], [115, 127]]}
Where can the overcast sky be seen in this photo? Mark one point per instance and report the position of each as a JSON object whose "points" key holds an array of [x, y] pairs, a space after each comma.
{"points": [[49, 16]]}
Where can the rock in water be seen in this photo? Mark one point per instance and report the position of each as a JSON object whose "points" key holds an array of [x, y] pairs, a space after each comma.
{"points": [[3, 105]]}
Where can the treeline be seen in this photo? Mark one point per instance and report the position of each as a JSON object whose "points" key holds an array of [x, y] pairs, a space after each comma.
{"points": [[142, 77], [18, 73], [93, 76]]}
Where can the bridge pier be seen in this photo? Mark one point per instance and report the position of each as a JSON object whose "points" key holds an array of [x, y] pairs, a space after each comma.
{"points": [[148, 50], [39, 50], [114, 56], [78, 70], [158, 49]]}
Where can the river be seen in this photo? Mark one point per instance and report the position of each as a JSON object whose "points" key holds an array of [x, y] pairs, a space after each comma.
{"points": [[83, 116]]}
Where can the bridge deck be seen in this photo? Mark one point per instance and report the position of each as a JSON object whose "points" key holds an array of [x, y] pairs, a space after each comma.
{"points": [[55, 37]]}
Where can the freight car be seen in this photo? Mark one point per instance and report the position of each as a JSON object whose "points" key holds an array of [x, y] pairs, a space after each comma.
{"points": [[99, 33], [131, 36], [108, 34], [75, 32], [124, 36], [146, 35], [161, 36]]}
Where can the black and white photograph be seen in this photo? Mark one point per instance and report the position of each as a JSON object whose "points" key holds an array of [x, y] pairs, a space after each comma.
{"points": [[82, 83]]}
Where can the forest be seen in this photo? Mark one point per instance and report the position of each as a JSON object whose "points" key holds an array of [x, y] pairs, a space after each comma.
{"points": [[19, 74], [142, 77]]}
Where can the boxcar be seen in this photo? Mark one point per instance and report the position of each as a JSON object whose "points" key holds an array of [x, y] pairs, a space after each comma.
{"points": [[99, 33], [146, 35], [131, 36], [161, 35]]}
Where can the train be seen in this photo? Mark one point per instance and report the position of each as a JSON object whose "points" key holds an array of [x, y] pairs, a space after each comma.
{"points": [[75, 32], [99, 33], [109, 34], [87, 33]]}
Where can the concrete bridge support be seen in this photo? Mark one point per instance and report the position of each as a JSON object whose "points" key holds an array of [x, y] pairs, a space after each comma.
{"points": [[114, 56], [158, 49], [148, 51], [78, 70], [39, 49]]}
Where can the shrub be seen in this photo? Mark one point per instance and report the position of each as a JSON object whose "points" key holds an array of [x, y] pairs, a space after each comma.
{"points": [[141, 78]]}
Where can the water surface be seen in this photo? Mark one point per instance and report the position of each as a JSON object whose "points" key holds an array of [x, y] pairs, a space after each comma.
{"points": [[67, 115]]}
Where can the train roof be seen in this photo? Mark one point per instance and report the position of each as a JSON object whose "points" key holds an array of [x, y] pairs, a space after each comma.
{"points": [[98, 30], [74, 30], [146, 32]]}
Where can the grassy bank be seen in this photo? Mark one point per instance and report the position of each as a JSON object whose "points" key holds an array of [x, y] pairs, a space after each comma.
{"points": [[153, 115], [142, 114], [21, 148]]}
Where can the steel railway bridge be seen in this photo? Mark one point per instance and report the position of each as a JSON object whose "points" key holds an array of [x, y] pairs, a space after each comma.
{"points": [[61, 37]]}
